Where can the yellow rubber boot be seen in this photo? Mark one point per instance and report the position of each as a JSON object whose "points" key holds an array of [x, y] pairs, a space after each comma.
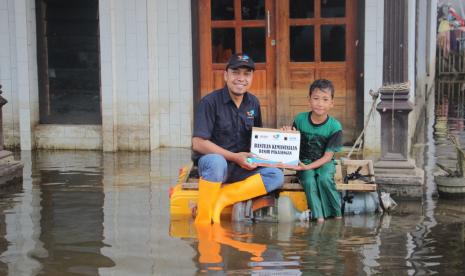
{"points": [[208, 192], [238, 191]]}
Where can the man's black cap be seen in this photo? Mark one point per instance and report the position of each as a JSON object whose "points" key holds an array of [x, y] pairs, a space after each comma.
{"points": [[240, 60]]}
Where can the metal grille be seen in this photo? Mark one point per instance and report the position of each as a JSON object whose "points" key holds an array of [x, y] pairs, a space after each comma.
{"points": [[451, 64], [451, 54], [450, 98]]}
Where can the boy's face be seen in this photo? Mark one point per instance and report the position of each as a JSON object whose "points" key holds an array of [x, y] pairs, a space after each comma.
{"points": [[321, 101]]}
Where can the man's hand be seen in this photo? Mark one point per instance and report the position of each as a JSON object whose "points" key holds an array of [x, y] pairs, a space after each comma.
{"points": [[240, 158]]}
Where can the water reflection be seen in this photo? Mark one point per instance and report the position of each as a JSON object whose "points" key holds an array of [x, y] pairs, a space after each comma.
{"points": [[6, 203], [72, 222], [22, 227], [449, 120], [99, 214], [369, 244], [136, 214]]}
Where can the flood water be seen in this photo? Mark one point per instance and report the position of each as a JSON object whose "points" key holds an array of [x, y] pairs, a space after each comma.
{"points": [[93, 213], [88, 213]]}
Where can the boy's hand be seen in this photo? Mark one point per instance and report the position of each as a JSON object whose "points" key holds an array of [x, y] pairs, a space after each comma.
{"points": [[288, 128], [300, 167]]}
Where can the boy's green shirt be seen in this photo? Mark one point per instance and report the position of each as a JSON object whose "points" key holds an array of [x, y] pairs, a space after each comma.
{"points": [[316, 139]]}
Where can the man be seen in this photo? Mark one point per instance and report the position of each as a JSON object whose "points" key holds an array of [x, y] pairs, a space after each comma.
{"points": [[221, 144]]}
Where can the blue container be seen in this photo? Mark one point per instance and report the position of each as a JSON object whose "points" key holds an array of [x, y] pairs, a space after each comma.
{"points": [[362, 203]]}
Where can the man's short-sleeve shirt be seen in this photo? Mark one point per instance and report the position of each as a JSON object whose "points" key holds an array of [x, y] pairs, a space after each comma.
{"points": [[316, 139], [219, 120]]}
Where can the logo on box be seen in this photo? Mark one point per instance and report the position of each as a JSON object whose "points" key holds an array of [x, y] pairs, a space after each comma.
{"points": [[275, 148]]}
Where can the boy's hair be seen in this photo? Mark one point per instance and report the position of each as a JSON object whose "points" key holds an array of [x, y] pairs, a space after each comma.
{"points": [[321, 84]]}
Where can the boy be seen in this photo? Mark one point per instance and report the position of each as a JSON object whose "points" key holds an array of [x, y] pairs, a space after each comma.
{"points": [[321, 137]]}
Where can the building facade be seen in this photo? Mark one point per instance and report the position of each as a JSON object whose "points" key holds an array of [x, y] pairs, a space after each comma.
{"points": [[125, 74]]}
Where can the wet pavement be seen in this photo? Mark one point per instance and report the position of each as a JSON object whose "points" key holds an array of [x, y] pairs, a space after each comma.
{"points": [[88, 213]]}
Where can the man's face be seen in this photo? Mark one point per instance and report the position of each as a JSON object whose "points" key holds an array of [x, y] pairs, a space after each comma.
{"points": [[321, 101], [238, 80]]}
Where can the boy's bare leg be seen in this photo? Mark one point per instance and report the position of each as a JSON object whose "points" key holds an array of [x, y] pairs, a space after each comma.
{"points": [[320, 220]]}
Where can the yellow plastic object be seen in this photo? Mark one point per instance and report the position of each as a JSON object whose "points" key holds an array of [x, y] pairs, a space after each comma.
{"points": [[183, 202], [297, 198]]}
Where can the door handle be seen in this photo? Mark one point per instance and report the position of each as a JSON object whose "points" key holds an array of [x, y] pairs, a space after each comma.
{"points": [[268, 23]]}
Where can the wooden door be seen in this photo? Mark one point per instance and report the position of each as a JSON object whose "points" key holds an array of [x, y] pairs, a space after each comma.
{"points": [[235, 26], [293, 43], [316, 39]]}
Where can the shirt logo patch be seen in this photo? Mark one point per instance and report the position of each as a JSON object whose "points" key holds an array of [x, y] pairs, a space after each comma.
{"points": [[250, 114]]}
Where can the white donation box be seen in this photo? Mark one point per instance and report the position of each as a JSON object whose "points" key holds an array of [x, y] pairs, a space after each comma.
{"points": [[275, 148]]}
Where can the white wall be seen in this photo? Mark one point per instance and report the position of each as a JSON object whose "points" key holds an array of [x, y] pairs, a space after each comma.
{"points": [[425, 59], [26, 62], [107, 18], [170, 38], [373, 69], [411, 70], [7, 58], [421, 80], [18, 71], [146, 78], [146, 60], [422, 58], [125, 88]]}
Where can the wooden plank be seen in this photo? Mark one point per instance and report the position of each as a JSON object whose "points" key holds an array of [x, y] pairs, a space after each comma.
{"points": [[291, 182], [190, 186], [192, 180], [361, 187], [292, 187]]}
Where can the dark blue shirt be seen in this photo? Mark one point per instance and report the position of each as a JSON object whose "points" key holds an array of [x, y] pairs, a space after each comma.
{"points": [[219, 120]]}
